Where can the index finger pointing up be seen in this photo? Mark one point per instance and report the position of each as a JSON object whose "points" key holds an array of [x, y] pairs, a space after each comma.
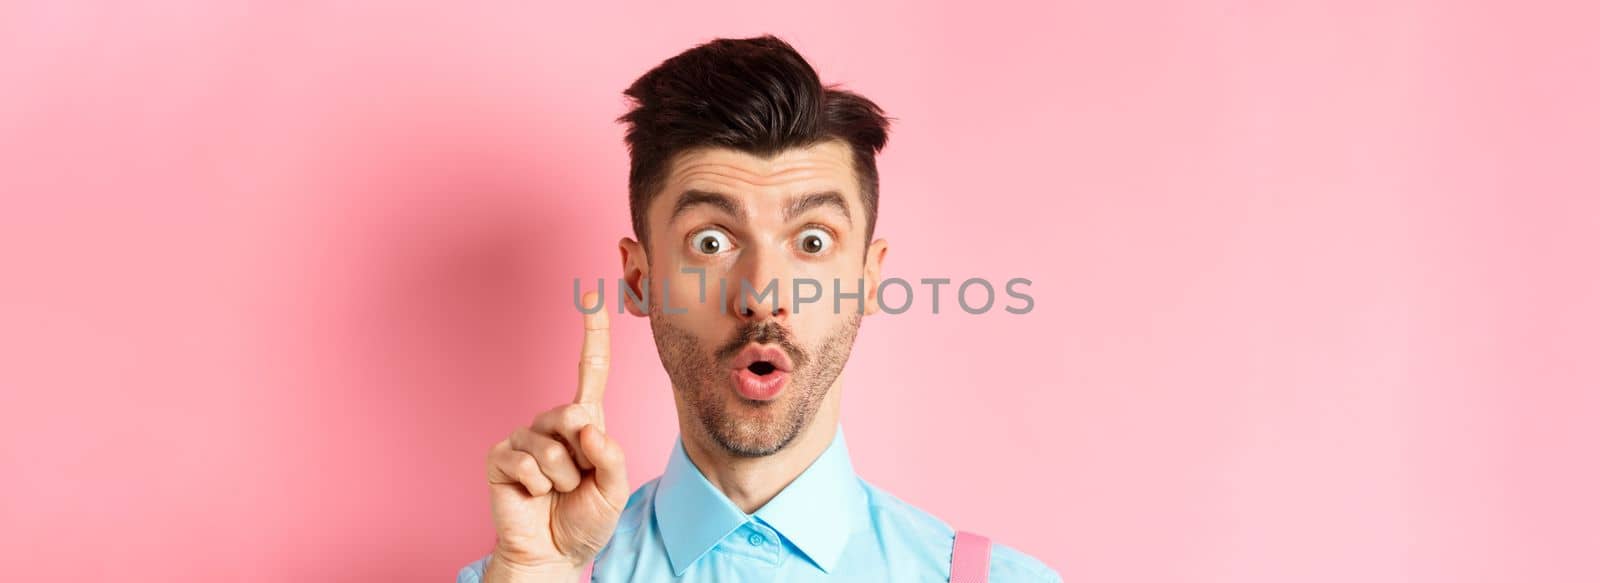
{"points": [[594, 362]]}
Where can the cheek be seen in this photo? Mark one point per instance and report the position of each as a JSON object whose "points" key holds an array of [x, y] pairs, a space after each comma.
{"points": [[672, 287], [815, 318], [720, 281], [848, 278]]}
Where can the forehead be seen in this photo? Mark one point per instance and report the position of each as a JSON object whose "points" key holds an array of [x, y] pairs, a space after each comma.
{"points": [[821, 167]]}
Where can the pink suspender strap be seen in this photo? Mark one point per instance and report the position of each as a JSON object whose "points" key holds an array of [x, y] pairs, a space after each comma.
{"points": [[969, 560]]}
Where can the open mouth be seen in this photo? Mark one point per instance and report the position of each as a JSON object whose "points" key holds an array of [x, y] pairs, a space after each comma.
{"points": [[761, 371], [763, 359]]}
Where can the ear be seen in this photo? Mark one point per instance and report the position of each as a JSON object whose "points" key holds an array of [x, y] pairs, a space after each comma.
{"points": [[874, 272], [635, 271]]}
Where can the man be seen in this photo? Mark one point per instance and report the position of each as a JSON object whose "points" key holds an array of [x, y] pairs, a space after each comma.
{"points": [[746, 173]]}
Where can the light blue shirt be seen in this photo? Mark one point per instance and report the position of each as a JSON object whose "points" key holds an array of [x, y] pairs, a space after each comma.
{"points": [[828, 524]]}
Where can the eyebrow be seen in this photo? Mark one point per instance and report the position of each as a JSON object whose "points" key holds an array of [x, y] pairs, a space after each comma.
{"points": [[732, 206], [694, 198], [817, 199]]}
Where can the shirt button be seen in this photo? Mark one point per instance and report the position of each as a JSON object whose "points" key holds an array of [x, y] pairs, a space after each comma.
{"points": [[758, 540]]}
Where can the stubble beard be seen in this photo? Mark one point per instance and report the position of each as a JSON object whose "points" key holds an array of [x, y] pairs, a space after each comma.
{"points": [[757, 428]]}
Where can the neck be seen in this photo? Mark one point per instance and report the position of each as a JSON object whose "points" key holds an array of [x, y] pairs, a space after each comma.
{"points": [[752, 482]]}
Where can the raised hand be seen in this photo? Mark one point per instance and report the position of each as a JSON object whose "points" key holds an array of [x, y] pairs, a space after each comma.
{"points": [[557, 486]]}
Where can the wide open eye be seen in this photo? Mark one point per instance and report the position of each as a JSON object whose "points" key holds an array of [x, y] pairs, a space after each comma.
{"points": [[814, 241], [710, 242]]}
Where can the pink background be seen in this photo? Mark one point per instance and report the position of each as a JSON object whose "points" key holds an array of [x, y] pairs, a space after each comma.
{"points": [[1317, 295]]}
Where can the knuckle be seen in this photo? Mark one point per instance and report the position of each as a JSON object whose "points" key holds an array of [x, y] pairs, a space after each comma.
{"points": [[527, 466], [552, 452], [546, 420], [572, 417], [570, 414]]}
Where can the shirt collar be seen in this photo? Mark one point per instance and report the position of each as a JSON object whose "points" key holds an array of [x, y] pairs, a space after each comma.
{"points": [[814, 512]]}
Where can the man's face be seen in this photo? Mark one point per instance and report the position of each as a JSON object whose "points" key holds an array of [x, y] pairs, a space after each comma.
{"points": [[750, 221]]}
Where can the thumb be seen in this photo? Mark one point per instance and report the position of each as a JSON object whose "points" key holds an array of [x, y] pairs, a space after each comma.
{"points": [[610, 470]]}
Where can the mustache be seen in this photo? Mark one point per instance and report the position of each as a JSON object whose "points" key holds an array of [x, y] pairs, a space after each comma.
{"points": [[764, 332]]}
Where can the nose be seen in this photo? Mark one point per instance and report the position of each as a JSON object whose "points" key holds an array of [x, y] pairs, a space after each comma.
{"points": [[756, 312], [758, 294]]}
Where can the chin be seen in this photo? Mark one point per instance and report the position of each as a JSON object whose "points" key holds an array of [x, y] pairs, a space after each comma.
{"points": [[753, 450], [752, 436]]}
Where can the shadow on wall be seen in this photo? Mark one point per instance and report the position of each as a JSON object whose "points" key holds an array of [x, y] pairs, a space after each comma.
{"points": [[440, 314]]}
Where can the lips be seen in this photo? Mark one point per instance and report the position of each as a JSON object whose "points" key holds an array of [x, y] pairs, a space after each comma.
{"points": [[760, 372], [767, 353]]}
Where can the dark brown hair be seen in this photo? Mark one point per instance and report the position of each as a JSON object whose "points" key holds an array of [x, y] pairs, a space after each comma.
{"points": [[755, 95]]}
